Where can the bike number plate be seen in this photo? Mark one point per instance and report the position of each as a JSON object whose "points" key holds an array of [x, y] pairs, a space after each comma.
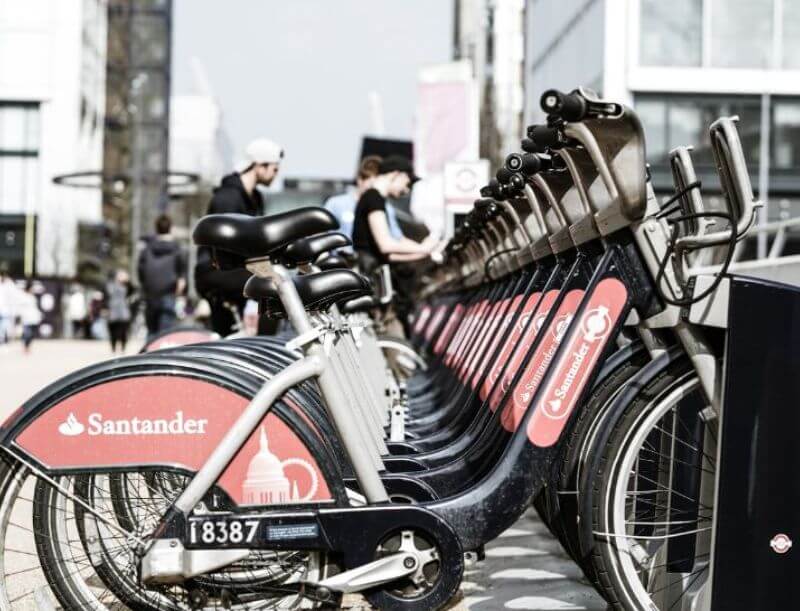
{"points": [[254, 532], [221, 532]]}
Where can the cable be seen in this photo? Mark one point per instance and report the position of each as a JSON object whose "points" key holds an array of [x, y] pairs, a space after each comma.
{"points": [[492, 258], [665, 206], [723, 270]]}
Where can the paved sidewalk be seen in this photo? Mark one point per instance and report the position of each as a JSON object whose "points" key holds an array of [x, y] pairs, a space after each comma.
{"points": [[524, 569], [22, 375]]}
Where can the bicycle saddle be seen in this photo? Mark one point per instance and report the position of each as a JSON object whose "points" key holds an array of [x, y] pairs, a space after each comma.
{"points": [[317, 291], [261, 236], [333, 262], [306, 250], [359, 304]]}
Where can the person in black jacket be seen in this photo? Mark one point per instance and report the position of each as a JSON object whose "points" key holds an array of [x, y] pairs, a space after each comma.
{"points": [[162, 276], [221, 280]]}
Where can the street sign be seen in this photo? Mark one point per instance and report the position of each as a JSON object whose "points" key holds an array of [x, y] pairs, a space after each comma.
{"points": [[463, 180]]}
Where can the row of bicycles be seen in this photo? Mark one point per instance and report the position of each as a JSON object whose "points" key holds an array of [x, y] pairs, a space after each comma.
{"points": [[566, 353]]}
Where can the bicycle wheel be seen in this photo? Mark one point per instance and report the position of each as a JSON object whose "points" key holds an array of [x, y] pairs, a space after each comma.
{"points": [[65, 543], [570, 465], [654, 495]]}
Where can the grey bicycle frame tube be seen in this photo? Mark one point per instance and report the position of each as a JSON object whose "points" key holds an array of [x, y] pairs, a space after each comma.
{"points": [[359, 392], [363, 378]]}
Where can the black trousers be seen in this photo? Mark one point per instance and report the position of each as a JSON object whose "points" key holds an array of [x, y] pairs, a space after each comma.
{"points": [[222, 289], [118, 333]]}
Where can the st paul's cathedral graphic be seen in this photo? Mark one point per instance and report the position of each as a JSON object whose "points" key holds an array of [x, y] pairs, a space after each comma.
{"points": [[266, 482]]}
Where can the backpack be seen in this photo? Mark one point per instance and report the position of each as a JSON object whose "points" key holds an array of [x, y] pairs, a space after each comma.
{"points": [[159, 271]]}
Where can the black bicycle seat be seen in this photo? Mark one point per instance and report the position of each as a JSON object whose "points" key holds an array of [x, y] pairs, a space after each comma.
{"points": [[306, 250], [333, 262], [260, 236], [359, 304], [317, 291]]}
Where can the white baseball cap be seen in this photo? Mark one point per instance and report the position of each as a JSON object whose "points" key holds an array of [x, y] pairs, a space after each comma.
{"points": [[261, 150]]}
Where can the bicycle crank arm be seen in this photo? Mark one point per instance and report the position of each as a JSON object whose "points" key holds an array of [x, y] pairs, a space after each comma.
{"points": [[376, 573]]}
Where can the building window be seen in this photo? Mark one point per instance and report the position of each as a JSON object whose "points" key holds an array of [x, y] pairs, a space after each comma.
{"points": [[785, 134], [671, 33], [791, 35], [19, 157], [681, 120], [746, 34], [741, 33]]}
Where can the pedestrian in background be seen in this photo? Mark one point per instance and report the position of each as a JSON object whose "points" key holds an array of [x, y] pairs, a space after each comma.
{"points": [[372, 239], [118, 292], [221, 281], [77, 313], [162, 276], [7, 290], [343, 206], [30, 316]]}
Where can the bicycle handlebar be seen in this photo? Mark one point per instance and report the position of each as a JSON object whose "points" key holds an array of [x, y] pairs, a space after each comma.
{"points": [[543, 137], [575, 106], [503, 175], [526, 164], [568, 106]]}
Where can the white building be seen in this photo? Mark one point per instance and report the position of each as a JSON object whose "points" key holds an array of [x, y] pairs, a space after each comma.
{"points": [[198, 142], [52, 100], [681, 64]]}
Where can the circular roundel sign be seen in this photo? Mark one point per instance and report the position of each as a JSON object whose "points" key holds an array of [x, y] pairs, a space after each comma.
{"points": [[780, 543], [466, 179]]}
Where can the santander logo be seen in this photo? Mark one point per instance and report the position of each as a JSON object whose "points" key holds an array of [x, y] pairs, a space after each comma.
{"points": [[97, 425], [71, 427], [560, 325], [596, 324]]}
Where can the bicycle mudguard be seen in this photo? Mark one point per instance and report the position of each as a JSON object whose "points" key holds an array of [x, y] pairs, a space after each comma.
{"points": [[615, 410], [178, 336], [152, 412], [618, 359]]}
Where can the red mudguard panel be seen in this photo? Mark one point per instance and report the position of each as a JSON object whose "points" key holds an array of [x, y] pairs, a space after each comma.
{"points": [[510, 344], [174, 421], [449, 329], [577, 361], [522, 348], [526, 388]]}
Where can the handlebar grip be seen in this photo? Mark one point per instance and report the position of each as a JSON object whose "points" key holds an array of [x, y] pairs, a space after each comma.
{"points": [[513, 162], [569, 106], [516, 184], [503, 175], [529, 146], [494, 188], [527, 164], [544, 136]]}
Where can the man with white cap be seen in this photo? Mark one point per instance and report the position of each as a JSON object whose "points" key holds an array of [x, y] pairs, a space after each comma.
{"points": [[222, 285]]}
